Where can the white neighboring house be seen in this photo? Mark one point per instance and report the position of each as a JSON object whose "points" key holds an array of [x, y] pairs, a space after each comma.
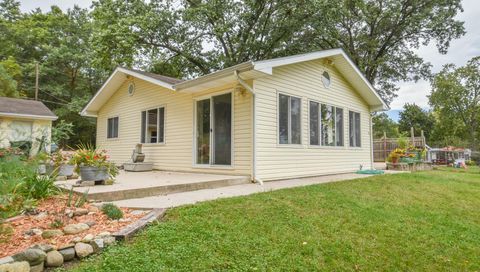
{"points": [[25, 121], [296, 116]]}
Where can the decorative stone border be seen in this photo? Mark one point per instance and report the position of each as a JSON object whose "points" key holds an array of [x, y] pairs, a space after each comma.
{"points": [[37, 257]]}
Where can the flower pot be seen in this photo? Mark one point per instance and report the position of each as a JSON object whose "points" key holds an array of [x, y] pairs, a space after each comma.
{"points": [[62, 170], [66, 170], [93, 173]]}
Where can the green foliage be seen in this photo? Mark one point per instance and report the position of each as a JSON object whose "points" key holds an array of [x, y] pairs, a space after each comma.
{"points": [[414, 116], [112, 211], [57, 223], [8, 86], [382, 123], [376, 223], [61, 132], [455, 98], [70, 197], [21, 186], [403, 142], [82, 199]]}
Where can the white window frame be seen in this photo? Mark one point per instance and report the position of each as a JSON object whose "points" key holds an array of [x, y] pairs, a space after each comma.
{"points": [[118, 127], [158, 126], [289, 120], [350, 129], [232, 131], [320, 124]]}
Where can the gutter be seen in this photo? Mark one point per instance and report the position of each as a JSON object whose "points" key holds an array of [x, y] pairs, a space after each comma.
{"points": [[250, 89]]}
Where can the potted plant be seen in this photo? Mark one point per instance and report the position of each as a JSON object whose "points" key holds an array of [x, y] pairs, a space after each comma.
{"points": [[61, 163], [92, 164]]}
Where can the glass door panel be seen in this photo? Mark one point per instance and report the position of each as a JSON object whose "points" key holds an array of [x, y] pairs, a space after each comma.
{"points": [[222, 129], [203, 132]]}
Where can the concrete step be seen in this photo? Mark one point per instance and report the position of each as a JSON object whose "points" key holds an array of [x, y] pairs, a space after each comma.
{"points": [[162, 189]]}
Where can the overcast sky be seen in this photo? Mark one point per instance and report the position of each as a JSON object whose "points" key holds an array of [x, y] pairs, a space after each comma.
{"points": [[459, 53]]}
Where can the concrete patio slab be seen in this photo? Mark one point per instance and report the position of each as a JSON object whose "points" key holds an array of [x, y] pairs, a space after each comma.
{"points": [[144, 184], [179, 199]]}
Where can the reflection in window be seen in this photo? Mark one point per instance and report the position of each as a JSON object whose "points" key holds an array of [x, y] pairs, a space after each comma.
{"points": [[289, 120]]}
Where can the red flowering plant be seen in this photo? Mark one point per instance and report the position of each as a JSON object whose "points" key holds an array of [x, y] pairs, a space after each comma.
{"points": [[87, 155]]}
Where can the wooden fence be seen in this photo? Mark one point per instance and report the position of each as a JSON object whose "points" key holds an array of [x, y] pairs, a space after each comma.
{"points": [[383, 146]]}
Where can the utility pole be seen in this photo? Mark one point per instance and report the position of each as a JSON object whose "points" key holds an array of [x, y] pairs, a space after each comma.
{"points": [[36, 80]]}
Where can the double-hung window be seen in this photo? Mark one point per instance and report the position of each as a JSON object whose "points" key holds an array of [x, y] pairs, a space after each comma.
{"points": [[153, 126], [354, 124], [326, 125], [289, 119], [112, 127]]}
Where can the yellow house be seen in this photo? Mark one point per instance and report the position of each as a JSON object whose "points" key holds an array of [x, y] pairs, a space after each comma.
{"points": [[25, 122], [297, 116]]}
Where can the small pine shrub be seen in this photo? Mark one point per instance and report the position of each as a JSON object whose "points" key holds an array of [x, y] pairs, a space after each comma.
{"points": [[112, 211], [57, 223]]}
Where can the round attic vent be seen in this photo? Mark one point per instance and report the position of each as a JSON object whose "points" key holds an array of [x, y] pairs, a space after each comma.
{"points": [[131, 88], [326, 79]]}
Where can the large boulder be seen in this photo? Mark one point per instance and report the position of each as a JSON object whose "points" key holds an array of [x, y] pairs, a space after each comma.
{"points": [[54, 259], [75, 228], [51, 233], [67, 253], [43, 247], [37, 268], [15, 267], [32, 255], [83, 250]]}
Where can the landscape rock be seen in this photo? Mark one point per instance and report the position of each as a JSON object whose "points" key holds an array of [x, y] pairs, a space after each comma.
{"points": [[76, 240], [41, 216], [75, 228], [37, 268], [51, 233], [15, 267], [67, 253], [124, 220], [54, 259], [83, 250], [93, 209], [33, 231], [91, 213], [32, 256], [43, 247], [88, 238], [6, 260], [108, 240], [80, 212], [90, 223], [64, 246], [104, 234], [97, 245]]}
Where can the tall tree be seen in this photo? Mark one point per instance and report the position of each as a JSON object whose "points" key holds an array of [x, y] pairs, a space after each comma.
{"points": [[381, 36], [455, 96], [414, 116], [382, 123]]}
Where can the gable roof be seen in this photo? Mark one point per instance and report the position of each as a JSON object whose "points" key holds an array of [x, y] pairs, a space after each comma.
{"points": [[22, 108], [249, 70]]}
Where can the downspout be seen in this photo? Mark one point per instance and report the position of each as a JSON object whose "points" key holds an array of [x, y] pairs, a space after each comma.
{"points": [[372, 164], [249, 89]]}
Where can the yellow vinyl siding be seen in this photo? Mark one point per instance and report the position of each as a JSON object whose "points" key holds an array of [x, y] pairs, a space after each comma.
{"points": [[279, 161], [177, 153]]}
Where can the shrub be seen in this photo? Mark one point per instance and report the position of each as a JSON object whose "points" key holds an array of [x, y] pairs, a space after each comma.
{"points": [[38, 187], [112, 211]]}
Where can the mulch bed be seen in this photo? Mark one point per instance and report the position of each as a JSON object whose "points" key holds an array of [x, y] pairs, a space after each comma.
{"points": [[55, 207]]}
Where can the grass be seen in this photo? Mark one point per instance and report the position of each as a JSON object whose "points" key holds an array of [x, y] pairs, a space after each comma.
{"points": [[426, 221]]}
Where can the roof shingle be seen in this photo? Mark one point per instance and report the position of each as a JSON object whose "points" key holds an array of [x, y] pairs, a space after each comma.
{"points": [[24, 107]]}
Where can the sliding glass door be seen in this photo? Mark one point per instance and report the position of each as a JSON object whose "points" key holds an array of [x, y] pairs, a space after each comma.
{"points": [[214, 130]]}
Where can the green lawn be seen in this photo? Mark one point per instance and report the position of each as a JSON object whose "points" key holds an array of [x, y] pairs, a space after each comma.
{"points": [[426, 221]]}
